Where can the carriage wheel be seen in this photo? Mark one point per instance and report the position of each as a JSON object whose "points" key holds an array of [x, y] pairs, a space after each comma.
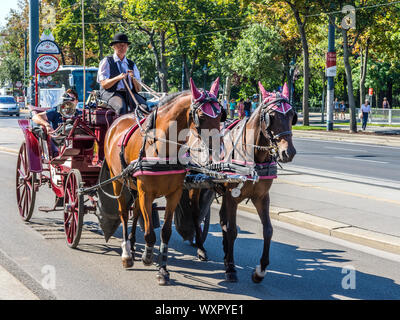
{"points": [[25, 185], [73, 208]]}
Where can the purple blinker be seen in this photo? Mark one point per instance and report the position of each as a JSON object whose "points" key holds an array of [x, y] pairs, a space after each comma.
{"points": [[211, 109]]}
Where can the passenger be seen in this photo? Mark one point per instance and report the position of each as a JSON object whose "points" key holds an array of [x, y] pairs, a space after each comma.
{"points": [[52, 118]]}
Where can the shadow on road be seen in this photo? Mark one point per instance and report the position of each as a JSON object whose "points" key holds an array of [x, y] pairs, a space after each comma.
{"points": [[294, 272]]}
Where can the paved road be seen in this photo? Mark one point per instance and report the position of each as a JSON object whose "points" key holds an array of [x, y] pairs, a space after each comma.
{"points": [[304, 265], [358, 159]]}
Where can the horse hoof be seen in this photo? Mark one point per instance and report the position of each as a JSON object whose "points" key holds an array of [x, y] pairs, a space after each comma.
{"points": [[163, 277], [147, 261], [202, 255], [231, 277], [127, 263], [256, 278]]}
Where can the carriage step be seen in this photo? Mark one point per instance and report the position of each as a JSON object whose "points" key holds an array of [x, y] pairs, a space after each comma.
{"points": [[49, 209]]}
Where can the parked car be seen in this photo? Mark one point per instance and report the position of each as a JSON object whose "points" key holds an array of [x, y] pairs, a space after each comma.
{"points": [[8, 106]]}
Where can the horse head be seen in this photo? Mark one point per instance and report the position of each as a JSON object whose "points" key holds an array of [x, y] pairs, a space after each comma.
{"points": [[277, 119], [206, 113]]}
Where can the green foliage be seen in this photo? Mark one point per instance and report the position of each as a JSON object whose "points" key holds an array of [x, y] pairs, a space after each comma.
{"points": [[249, 41]]}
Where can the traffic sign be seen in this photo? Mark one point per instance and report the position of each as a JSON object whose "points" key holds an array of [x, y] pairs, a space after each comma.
{"points": [[371, 91], [47, 64], [47, 47]]}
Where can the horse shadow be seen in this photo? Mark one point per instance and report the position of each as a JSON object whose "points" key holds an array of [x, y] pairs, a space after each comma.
{"points": [[294, 272]]}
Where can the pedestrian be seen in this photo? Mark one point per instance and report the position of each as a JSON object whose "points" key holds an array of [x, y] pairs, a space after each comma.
{"points": [[254, 103], [232, 107], [247, 107], [112, 71], [342, 110], [385, 104], [365, 110], [336, 108], [241, 109]]}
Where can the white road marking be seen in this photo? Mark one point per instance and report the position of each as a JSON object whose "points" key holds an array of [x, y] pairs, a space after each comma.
{"points": [[344, 149], [361, 159]]}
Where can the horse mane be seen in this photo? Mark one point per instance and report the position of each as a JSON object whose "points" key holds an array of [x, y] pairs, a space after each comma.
{"points": [[164, 102]]}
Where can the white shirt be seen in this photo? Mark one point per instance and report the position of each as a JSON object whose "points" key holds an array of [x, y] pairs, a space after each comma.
{"points": [[365, 108], [104, 71]]}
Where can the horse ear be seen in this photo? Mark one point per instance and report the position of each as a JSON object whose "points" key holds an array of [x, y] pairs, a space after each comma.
{"points": [[285, 91], [264, 93], [195, 92], [215, 87]]}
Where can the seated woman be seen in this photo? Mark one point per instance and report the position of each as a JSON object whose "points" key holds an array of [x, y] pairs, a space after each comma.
{"points": [[52, 118]]}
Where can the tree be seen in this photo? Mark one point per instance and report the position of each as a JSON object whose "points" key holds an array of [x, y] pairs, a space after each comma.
{"points": [[258, 57]]}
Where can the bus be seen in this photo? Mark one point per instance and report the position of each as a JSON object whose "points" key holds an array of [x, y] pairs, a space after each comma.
{"points": [[52, 87]]}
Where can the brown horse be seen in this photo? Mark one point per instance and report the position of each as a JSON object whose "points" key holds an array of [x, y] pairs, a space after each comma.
{"points": [[154, 176], [253, 142]]}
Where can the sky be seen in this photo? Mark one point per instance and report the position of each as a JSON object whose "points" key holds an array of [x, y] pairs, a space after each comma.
{"points": [[5, 7]]}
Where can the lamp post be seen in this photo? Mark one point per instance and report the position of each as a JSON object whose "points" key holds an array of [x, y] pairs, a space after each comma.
{"points": [[205, 70], [33, 41], [331, 72]]}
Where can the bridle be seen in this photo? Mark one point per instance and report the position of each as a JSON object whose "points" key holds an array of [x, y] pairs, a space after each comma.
{"points": [[197, 104], [265, 112]]}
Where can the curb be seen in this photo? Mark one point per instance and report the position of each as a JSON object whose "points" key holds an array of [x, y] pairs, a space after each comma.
{"points": [[331, 228], [370, 139]]}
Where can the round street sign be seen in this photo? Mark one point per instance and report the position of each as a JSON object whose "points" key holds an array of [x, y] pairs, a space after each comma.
{"points": [[18, 84], [47, 64], [47, 47]]}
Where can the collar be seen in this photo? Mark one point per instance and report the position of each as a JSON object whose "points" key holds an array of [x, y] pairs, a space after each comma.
{"points": [[116, 59]]}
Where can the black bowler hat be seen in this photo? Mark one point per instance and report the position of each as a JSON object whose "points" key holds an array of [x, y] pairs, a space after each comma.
{"points": [[120, 38]]}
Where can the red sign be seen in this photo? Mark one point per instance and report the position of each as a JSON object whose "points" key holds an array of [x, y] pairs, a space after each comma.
{"points": [[330, 59], [371, 91], [331, 64], [47, 64]]}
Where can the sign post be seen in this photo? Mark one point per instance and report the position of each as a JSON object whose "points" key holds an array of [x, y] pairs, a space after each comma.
{"points": [[330, 74], [45, 65]]}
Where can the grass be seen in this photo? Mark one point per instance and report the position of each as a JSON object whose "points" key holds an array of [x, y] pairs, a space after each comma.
{"points": [[306, 128]]}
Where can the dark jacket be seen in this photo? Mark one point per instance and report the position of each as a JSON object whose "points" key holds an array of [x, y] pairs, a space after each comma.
{"points": [[106, 94]]}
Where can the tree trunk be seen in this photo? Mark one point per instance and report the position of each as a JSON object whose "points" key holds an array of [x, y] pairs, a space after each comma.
{"points": [[306, 64], [227, 93], [164, 73], [346, 60], [160, 63], [363, 76], [183, 54]]}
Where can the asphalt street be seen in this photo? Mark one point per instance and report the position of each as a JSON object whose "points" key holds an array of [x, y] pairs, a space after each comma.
{"points": [[304, 264], [373, 161]]}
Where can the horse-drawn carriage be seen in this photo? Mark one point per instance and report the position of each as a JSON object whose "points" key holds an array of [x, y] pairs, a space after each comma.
{"points": [[103, 167]]}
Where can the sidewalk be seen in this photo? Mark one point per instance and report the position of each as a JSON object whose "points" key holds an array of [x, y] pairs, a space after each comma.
{"points": [[12, 289], [340, 205]]}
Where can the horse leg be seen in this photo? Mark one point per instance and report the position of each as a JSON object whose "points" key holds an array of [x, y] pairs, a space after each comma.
{"points": [[132, 236], [229, 233], [262, 206], [166, 230], [194, 196], [146, 202], [127, 260]]}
